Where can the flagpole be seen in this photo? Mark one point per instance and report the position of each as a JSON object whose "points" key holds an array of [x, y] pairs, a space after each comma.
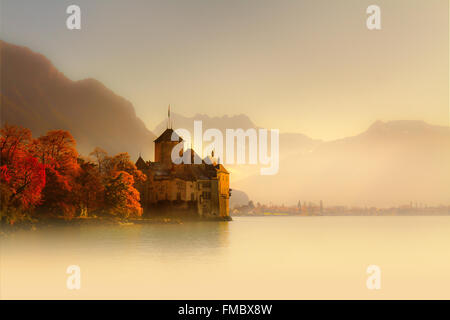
{"points": [[168, 118]]}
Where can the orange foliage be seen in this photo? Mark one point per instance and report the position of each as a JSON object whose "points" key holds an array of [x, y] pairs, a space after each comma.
{"points": [[48, 174], [88, 188], [121, 196], [56, 150], [22, 176]]}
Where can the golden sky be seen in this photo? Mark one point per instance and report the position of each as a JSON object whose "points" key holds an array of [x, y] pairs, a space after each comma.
{"points": [[300, 66]]}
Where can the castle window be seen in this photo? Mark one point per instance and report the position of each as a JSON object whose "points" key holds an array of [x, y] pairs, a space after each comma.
{"points": [[206, 195]]}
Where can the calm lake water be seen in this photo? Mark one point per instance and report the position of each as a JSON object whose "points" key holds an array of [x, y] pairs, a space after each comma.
{"points": [[248, 258]]}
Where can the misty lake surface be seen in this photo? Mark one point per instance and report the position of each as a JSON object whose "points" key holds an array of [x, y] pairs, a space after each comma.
{"points": [[248, 258]]}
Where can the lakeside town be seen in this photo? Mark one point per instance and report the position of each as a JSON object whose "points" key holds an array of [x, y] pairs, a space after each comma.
{"points": [[319, 209]]}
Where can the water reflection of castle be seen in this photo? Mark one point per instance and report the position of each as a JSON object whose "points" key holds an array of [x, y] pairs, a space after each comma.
{"points": [[198, 189]]}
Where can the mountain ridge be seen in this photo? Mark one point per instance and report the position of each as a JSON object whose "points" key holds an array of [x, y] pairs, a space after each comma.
{"points": [[385, 165]]}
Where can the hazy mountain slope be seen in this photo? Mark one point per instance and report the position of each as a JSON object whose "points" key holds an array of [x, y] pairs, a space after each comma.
{"points": [[34, 94], [389, 164], [238, 198]]}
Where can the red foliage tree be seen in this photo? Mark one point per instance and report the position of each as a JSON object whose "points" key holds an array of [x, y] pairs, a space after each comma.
{"points": [[121, 197], [28, 180], [56, 150], [46, 173], [22, 177], [88, 189]]}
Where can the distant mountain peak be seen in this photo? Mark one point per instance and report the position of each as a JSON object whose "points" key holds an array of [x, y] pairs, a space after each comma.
{"points": [[404, 127]]}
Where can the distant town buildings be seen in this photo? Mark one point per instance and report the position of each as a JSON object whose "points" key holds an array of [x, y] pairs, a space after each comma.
{"points": [[318, 209]]}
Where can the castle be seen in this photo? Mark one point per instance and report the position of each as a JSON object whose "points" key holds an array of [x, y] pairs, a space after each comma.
{"points": [[199, 189]]}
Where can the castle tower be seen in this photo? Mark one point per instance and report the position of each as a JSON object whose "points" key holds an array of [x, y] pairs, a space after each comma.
{"points": [[165, 143]]}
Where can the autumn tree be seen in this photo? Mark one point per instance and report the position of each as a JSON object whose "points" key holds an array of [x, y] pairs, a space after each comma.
{"points": [[88, 189], [22, 177], [14, 143], [120, 177], [121, 197], [100, 157], [56, 150], [121, 162]]}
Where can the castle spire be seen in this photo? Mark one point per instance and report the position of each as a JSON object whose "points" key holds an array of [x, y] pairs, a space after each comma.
{"points": [[168, 118]]}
